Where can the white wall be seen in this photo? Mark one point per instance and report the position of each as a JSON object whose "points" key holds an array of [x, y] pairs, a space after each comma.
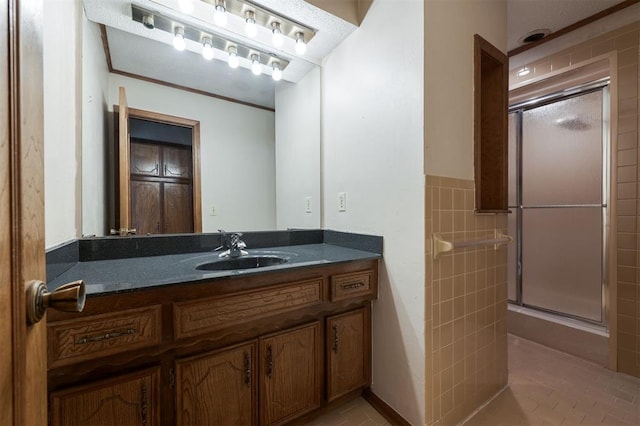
{"points": [[449, 29], [298, 152], [95, 88], [372, 140], [237, 150], [62, 108]]}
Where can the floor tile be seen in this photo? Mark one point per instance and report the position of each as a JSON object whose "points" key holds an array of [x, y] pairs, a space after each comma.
{"points": [[547, 387], [354, 413]]}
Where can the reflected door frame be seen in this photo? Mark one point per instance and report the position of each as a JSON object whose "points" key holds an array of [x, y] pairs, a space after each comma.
{"points": [[123, 190]]}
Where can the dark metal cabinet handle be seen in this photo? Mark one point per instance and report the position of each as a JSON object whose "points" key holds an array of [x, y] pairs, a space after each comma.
{"points": [[247, 369], [335, 338], [269, 361], [353, 285], [107, 336], [143, 404]]}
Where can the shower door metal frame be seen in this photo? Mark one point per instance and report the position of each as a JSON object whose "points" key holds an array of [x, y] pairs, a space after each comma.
{"points": [[518, 109]]}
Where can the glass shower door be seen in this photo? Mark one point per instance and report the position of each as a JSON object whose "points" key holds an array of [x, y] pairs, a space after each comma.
{"points": [[562, 206]]}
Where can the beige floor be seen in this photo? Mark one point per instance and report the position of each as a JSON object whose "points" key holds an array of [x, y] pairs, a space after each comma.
{"points": [[354, 413], [546, 387]]}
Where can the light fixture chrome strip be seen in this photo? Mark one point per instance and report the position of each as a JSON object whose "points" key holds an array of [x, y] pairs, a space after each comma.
{"points": [[566, 93], [265, 17], [198, 35]]}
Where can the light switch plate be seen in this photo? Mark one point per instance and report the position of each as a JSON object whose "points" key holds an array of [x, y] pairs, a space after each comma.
{"points": [[342, 201]]}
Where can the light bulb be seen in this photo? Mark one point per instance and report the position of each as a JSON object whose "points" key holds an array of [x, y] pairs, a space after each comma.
{"points": [[250, 27], [186, 6], [233, 60], [147, 21], [220, 15], [207, 49], [277, 72], [256, 68], [301, 46], [178, 39], [278, 38], [524, 71]]}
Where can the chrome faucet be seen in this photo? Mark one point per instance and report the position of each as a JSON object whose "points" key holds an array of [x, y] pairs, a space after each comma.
{"points": [[231, 244]]}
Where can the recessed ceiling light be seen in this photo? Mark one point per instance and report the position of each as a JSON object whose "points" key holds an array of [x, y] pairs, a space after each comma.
{"points": [[533, 36]]}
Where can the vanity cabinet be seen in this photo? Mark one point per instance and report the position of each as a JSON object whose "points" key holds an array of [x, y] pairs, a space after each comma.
{"points": [[348, 350], [217, 388], [290, 382], [260, 349], [130, 399]]}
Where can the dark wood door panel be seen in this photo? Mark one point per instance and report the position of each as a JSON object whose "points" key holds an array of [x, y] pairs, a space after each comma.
{"points": [[177, 162], [145, 159], [145, 207], [178, 208]]}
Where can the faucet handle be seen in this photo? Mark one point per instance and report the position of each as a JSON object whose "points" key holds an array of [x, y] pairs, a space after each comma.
{"points": [[224, 240]]}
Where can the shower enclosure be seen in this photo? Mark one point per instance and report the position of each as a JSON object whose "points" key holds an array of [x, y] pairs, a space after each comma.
{"points": [[558, 195]]}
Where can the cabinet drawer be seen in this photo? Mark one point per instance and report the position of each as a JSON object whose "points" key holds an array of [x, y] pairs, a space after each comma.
{"points": [[202, 316], [354, 284], [101, 335]]}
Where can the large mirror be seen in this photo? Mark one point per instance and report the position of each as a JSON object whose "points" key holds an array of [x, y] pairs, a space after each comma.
{"points": [[259, 139]]}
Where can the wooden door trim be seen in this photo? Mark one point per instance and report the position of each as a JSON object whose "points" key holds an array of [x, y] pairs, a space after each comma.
{"points": [[195, 153], [6, 277], [124, 154], [23, 388]]}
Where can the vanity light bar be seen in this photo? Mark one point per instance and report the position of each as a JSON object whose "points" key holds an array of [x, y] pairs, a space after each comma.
{"points": [[199, 35], [265, 18]]}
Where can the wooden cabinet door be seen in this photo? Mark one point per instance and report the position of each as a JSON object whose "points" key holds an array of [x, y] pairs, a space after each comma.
{"points": [[217, 388], [145, 207], [348, 352], [178, 208], [177, 162], [290, 383], [132, 399], [145, 159]]}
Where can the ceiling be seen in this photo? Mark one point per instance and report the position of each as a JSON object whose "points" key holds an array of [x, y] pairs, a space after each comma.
{"points": [[525, 16], [140, 51]]}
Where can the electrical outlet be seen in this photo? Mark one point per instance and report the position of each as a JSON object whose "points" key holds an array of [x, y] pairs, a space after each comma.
{"points": [[342, 201], [307, 204], [212, 211]]}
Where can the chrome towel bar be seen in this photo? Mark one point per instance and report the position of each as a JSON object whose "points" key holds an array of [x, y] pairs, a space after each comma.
{"points": [[440, 245]]}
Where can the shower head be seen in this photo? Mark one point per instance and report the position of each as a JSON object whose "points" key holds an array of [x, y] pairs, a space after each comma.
{"points": [[573, 123]]}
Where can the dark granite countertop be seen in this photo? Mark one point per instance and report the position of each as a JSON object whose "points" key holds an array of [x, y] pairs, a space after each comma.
{"points": [[110, 276]]}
